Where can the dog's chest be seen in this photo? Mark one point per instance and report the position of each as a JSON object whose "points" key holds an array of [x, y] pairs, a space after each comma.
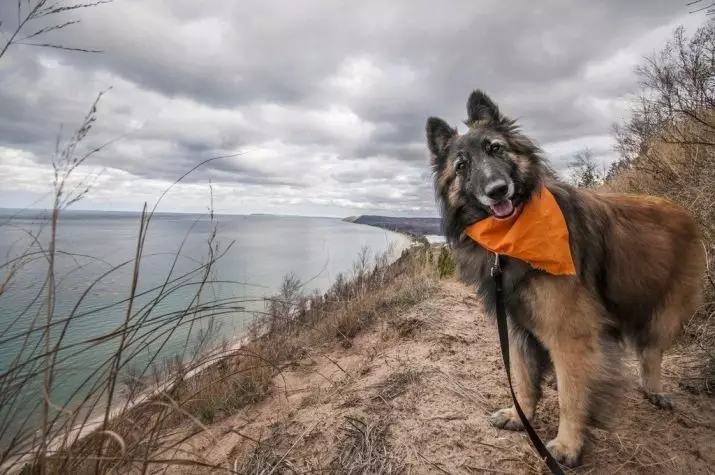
{"points": [[475, 266]]}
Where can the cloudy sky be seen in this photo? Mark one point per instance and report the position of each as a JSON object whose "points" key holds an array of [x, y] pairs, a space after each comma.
{"points": [[320, 105]]}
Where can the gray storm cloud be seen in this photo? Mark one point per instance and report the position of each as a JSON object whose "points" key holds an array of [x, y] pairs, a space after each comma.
{"points": [[327, 100]]}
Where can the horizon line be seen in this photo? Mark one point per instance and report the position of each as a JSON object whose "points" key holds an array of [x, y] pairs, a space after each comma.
{"points": [[217, 213]]}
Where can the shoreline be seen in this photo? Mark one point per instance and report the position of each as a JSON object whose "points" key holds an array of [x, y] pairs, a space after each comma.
{"points": [[415, 238]]}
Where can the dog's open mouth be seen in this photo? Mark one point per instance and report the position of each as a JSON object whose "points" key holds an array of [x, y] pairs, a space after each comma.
{"points": [[503, 209]]}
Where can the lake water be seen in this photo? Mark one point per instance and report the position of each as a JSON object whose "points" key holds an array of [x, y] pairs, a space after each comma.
{"points": [[93, 290]]}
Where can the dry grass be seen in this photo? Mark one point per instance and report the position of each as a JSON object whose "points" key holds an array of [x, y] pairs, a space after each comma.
{"points": [[365, 448], [266, 458], [396, 384], [409, 327]]}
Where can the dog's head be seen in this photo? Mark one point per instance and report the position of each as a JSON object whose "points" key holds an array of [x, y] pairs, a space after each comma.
{"points": [[491, 169]]}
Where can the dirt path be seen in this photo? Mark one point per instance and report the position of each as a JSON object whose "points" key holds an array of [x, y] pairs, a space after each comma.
{"points": [[416, 393]]}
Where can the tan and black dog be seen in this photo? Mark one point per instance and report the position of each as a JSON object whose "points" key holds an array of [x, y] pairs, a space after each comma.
{"points": [[639, 272]]}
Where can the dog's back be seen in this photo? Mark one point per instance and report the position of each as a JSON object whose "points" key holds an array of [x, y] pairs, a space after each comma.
{"points": [[651, 261]]}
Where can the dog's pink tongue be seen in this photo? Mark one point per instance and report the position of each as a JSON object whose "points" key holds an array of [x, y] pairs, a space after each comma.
{"points": [[503, 209]]}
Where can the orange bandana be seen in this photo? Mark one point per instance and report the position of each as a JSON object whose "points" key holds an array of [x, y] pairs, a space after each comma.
{"points": [[537, 235]]}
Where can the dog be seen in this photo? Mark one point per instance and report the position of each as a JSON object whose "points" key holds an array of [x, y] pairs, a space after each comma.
{"points": [[639, 267]]}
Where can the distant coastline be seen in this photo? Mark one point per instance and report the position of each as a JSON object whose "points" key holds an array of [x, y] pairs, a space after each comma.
{"points": [[417, 228]]}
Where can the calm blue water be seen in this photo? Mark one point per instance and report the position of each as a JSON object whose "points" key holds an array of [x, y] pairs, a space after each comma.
{"points": [[91, 245]]}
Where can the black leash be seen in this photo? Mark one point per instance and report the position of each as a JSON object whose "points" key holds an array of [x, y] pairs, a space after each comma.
{"points": [[504, 340]]}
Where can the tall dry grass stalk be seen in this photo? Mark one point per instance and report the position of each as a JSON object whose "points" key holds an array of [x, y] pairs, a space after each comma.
{"points": [[42, 17]]}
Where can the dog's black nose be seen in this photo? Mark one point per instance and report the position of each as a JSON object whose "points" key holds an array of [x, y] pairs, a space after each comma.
{"points": [[496, 190]]}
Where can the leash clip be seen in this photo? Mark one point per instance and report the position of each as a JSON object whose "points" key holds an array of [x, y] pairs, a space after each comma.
{"points": [[496, 268]]}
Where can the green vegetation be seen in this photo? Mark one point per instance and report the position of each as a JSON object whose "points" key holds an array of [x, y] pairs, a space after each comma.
{"points": [[445, 263]]}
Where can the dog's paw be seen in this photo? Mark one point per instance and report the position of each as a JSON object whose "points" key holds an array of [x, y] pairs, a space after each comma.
{"points": [[660, 400], [506, 419], [568, 454]]}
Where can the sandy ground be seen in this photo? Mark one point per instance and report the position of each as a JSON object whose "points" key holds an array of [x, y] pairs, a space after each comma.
{"points": [[413, 395]]}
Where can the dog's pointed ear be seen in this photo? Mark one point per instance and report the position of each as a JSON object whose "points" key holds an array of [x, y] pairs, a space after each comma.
{"points": [[480, 108], [439, 136]]}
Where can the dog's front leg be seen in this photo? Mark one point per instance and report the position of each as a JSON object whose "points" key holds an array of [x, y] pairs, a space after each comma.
{"points": [[568, 321]]}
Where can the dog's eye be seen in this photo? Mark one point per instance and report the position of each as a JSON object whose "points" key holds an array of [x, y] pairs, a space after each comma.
{"points": [[495, 148], [460, 165]]}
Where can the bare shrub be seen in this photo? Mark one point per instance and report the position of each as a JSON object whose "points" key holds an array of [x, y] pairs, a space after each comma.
{"points": [[584, 171]]}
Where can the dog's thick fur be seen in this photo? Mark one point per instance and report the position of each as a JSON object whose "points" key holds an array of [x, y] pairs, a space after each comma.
{"points": [[639, 262]]}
